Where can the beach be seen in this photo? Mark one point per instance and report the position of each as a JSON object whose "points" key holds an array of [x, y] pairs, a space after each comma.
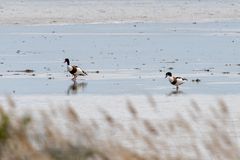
{"points": [[126, 47], [110, 11]]}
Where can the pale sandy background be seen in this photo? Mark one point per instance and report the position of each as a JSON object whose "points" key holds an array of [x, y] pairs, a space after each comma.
{"points": [[109, 11]]}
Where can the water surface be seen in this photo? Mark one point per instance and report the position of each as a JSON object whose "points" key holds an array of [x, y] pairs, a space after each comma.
{"points": [[131, 58]]}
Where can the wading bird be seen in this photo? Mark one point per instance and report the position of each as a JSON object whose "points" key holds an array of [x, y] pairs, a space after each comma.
{"points": [[74, 70], [176, 81]]}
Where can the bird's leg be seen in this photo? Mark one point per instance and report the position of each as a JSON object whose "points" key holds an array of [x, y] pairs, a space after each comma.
{"points": [[74, 78], [177, 88]]}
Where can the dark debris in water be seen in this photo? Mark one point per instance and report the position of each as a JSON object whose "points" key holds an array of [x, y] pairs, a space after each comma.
{"points": [[46, 68], [232, 64], [29, 71], [137, 68], [168, 62], [204, 70], [50, 78], [26, 71], [196, 80], [225, 72]]}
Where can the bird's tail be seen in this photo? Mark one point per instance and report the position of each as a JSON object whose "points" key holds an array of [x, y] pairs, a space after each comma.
{"points": [[85, 72]]}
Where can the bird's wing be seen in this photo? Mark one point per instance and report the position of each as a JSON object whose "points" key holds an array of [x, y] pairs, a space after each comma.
{"points": [[185, 79], [74, 70], [81, 70], [178, 77]]}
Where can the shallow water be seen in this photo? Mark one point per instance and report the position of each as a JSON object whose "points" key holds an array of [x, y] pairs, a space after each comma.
{"points": [[130, 58]]}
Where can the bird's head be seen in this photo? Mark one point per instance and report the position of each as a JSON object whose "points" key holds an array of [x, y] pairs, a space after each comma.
{"points": [[168, 74], [67, 61]]}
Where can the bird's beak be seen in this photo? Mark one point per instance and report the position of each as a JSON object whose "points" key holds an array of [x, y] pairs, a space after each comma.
{"points": [[166, 76]]}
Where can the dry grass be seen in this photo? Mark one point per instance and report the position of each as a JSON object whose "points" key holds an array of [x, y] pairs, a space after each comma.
{"points": [[197, 136]]}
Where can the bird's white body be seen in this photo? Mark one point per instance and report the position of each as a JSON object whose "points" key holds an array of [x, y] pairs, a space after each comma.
{"points": [[179, 80], [79, 71]]}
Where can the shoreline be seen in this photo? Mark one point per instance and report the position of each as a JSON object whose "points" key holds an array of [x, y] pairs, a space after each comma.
{"points": [[38, 24], [27, 12], [124, 23]]}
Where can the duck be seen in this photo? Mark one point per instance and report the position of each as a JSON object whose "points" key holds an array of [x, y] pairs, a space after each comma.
{"points": [[74, 70], [176, 81]]}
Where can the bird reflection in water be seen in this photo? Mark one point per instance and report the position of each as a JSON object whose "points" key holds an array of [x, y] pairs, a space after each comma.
{"points": [[175, 93], [76, 87]]}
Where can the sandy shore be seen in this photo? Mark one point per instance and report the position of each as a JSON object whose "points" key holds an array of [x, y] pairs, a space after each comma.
{"points": [[111, 11]]}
